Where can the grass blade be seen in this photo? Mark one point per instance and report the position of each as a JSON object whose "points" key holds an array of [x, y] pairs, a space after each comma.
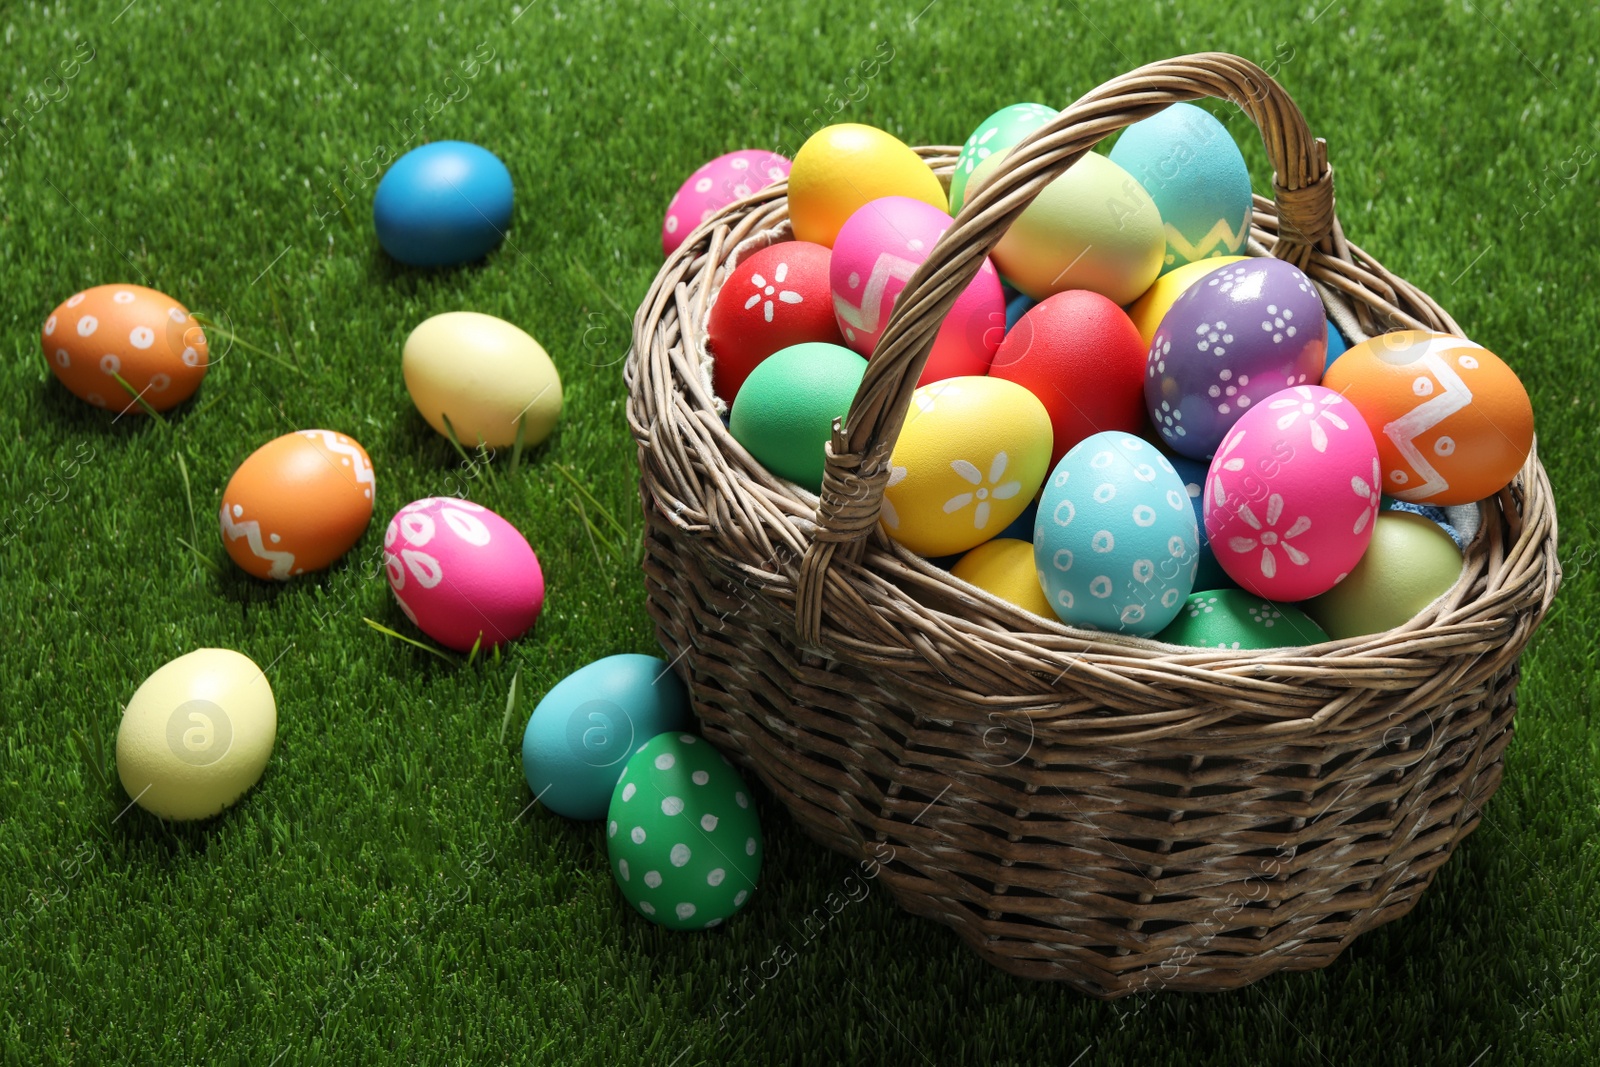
{"points": [[382, 629], [516, 447], [476, 644], [513, 703], [138, 398], [200, 556], [601, 508], [208, 323], [95, 768]]}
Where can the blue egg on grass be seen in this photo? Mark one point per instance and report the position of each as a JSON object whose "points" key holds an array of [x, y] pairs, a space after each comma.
{"points": [[442, 204], [1337, 345], [580, 736], [1193, 472]]}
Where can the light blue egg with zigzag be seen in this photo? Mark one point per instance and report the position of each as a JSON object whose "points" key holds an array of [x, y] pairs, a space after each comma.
{"points": [[1193, 170]]}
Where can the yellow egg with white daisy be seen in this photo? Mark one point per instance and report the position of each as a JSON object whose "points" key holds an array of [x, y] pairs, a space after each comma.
{"points": [[972, 453]]}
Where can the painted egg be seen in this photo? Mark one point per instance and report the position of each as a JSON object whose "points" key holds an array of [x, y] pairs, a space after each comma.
{"points": [[1194, 172], [1081, 356], [1004, 567], [483, 377], [716, 185], [1116, 544], [580, 736], [1092, 228], [970, 457], [994, 135], [1429, 512], [1148, 311], [840, 168], [1337, 346], [1410, 564], [147, 339], [874, 255], [1235, 337], [1210, 574], [463, 574], [1453, 422], [774, 298], [1292, 493], [682, 835], [297, 503], [1232, 618], [197, 734], [441, 204], [784, 413]]}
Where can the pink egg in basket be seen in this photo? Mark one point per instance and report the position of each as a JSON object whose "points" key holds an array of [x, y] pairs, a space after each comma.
{"points": [[716, 185], [877, 249], [1292, 494], [460, 571]]}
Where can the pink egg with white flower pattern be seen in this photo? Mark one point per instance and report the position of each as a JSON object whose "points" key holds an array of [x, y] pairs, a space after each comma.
{"points": [[1292, 494], [462, 573], [716, 185], [877, 249]]}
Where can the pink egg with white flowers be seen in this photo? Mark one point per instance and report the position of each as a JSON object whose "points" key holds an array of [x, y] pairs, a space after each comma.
{"points": [[877, 249], [716, 185], [462, 573], [1292, 494]]}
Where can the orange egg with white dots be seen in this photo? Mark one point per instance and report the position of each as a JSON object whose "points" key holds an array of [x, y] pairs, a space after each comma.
{"points": [[144, 337], [297, 504], [1453, 423]]}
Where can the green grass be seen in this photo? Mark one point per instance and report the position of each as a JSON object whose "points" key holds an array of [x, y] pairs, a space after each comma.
{"points": [[383, 896]]}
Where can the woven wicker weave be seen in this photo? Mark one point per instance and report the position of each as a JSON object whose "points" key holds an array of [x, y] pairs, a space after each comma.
{"points": [[1097, 809]]}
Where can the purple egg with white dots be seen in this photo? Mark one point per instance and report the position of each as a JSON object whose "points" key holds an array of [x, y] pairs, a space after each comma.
{"points": [[1237, 336]]}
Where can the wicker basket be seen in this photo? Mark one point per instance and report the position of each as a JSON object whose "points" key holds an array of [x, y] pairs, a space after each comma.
{"points": [[1090, 808]]}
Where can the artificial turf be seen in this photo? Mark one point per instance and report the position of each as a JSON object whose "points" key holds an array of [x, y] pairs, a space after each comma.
{"points": [[386, 894]]}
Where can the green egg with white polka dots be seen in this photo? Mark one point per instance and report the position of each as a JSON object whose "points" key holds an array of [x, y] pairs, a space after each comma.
{"points": [[1233, 618], [682, 834]]}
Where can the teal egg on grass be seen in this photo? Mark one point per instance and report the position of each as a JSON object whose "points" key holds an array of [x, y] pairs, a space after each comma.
{"points": [[682, 834], [1189, 164], [580, 736], [784, 412], [995, 135], [1116, 542]]}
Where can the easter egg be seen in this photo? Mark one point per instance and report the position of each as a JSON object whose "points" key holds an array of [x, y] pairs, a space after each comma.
{"points": [[147, 339], [970, 457], [1233, 338], [463, 574], [1210, 574], [784, 412], [1194, 172], [1429, 512], [197, 734], [842, 167], [1410, 563], [1004, 567], [1291, 495], [297, 503], [774, 298], [682, 835], [995, 135], [1148, 311], [482, 376], [441, 204], [1232, 618], [1337, 346], [1116, 544], [1453, 422], [1093, 227], [1081, 356], [580, 736], [874, 255], [714, 186]]}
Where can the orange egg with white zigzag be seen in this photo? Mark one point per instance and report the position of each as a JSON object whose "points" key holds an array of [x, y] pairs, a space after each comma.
{"points": [[297, 504], [1453, 423]]}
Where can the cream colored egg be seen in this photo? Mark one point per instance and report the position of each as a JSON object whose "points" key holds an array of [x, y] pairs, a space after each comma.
{"points": [[197, 734], [484, 375]]}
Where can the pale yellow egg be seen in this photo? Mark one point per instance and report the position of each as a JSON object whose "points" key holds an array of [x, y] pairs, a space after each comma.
{"points": [[1005, 568], [485, 376]]}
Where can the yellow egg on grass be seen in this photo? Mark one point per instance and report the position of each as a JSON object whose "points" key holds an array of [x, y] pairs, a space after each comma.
{"points": [[483, 375], [842, 167], [1005, 568], [1148, 310], [197, 734]]}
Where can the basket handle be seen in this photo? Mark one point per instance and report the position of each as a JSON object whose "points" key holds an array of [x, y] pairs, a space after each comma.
{"points": [[857, 465]]}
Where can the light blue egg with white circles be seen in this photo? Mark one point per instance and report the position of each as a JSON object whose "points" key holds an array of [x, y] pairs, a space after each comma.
{"points": [[1116, 542], [1189, 164]]}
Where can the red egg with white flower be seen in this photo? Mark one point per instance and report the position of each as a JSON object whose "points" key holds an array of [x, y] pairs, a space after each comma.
{"points": [[1292, 494], [716, 185], [774, 298], [139, 335]]}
